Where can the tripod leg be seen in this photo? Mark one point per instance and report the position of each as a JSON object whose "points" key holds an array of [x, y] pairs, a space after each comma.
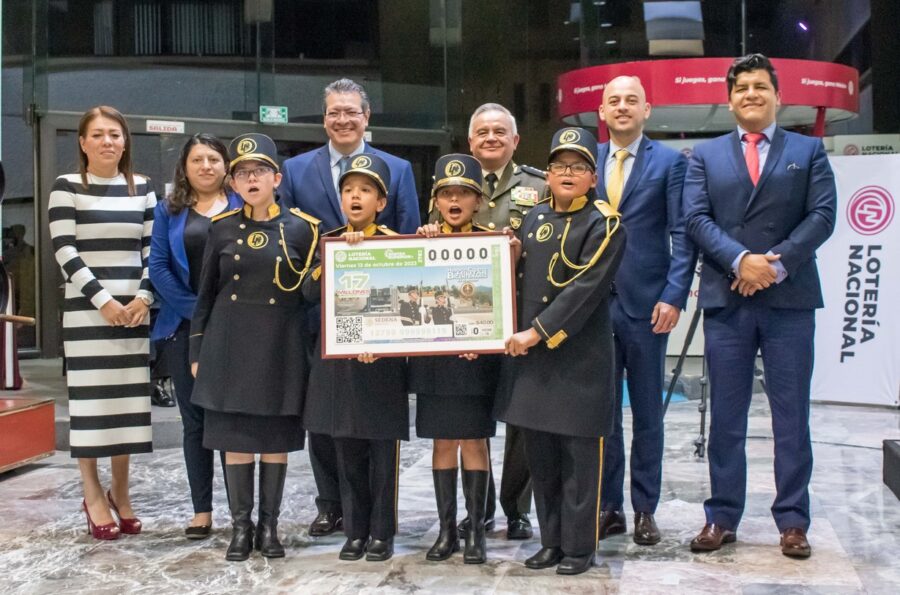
{"points": [[700, 442], [676, 373]]}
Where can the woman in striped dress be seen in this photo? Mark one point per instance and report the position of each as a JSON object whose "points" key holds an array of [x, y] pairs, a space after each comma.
{"points": [[100, 223]]}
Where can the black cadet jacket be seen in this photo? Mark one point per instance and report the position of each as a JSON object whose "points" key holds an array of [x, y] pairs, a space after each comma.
{"points": [[565, 384], [349, 399], [249, 332], [450, 374]]}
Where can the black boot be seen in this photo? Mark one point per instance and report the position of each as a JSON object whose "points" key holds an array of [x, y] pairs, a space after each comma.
{"points": [[240, 500], [271, 488], [475, 489], [445, 494]]}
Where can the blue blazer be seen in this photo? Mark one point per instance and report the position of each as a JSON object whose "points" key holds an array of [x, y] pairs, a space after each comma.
{"points": [[658, 264], [307, 184], [168, 266], [790, 212]]}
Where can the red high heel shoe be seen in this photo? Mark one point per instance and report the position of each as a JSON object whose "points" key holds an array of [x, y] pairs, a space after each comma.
{"points": [[130, 526], [108, 531]]}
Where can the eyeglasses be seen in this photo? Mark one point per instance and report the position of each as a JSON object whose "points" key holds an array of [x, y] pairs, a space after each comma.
{"points": [[349, 114], [258, 172], [578, 169]]}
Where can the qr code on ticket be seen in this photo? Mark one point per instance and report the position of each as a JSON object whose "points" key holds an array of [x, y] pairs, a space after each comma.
{"points": [[349, 329], [460, 330]]}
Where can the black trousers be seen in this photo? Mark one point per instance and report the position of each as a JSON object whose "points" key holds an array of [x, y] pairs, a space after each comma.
{"points": [[369, 473], [566, 471], [323, 459], [515, 483], [198, 460]]}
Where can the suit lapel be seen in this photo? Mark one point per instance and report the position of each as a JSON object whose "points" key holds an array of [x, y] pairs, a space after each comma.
{"points": [[323, 164], [736, 153], [775, 151], [602, 154], [641, 162]]}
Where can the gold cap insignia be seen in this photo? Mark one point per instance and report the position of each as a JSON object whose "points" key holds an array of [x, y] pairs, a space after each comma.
{"points": [[248, 145], [569, 136], [455, 169], [361, 162]]}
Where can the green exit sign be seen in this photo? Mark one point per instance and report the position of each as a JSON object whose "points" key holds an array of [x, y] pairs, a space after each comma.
{"points": [[273, 114]]}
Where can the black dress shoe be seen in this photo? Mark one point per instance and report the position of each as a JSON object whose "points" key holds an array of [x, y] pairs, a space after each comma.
{"points": [[519, 527], [380, 550], [353, 549], [326, 523], [463, 527], [197, 532], [575, 564], [645, 530], [545, 558], [612, 522], [161, 395]]}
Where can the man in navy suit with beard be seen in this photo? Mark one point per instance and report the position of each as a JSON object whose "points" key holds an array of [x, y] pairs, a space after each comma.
{"points": [[758, 202], [310, 182], [642, 179]]}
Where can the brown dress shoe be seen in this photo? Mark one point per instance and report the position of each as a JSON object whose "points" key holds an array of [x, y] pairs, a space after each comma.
{"points": [[795, 544], [612, 522], [645, 530], [711, 538]]}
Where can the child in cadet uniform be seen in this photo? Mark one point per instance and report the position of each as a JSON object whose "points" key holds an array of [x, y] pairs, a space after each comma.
{"points": [[560, 388], [455, 394], [363, 404], [248, 341]]}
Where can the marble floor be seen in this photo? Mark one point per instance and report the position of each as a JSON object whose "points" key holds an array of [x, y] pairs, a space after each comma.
{"points": [[44, 547]]}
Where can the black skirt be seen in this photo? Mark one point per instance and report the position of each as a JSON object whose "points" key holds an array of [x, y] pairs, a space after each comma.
{"points": [[241, 432], [454, 417]]}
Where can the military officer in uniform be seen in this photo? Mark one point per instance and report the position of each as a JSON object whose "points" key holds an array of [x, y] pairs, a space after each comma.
{"points": [[510, 191], [560, 388], [441, 313], [362, 405], [249, 340], [410, 314]]}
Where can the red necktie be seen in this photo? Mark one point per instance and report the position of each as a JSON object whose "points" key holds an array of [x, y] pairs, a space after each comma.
{"points": [[751, 155]]}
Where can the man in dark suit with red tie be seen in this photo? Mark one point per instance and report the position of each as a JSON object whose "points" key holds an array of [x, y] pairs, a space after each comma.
{"points": [[759, 202], [310, 182], [641, 179]]}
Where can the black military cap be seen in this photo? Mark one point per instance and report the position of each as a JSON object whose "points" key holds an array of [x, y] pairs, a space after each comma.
{"points": [[255, 146], [370, 165], [575, 139], [457, 169]]}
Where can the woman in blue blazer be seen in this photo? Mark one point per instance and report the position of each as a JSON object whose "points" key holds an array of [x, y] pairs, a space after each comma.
{"points": [[179, 237]]}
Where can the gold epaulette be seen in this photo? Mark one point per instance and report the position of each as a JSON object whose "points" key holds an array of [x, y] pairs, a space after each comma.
{"points": [[226, 214], [476, 227], [606, 209], [387, 230], [305, 216]]}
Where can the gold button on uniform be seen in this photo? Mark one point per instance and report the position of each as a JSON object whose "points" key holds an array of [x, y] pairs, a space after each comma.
{"points": [[540, 216], [243, 226], [492, 204], [530, 234], [240, 242], [544, 299], [237, 256], [237, 277], [233, 297], [491, 225], [271, 300]]}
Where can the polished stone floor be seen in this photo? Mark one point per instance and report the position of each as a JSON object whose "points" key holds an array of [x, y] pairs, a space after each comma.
{"points": [[44, 547]]}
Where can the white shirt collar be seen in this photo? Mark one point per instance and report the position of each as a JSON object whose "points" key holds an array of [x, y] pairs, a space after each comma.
{"points": [[768, 131], [337, 156], [632, 148]]}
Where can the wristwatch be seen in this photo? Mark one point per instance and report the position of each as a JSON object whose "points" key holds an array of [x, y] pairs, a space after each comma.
{"points": [[147, 301]]}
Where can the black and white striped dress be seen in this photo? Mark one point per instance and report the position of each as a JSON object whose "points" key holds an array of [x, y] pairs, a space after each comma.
{"points": [[101, 238]]}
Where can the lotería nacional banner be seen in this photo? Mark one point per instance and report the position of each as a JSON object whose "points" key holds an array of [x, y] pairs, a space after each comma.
{"points": [[858, 331]]}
